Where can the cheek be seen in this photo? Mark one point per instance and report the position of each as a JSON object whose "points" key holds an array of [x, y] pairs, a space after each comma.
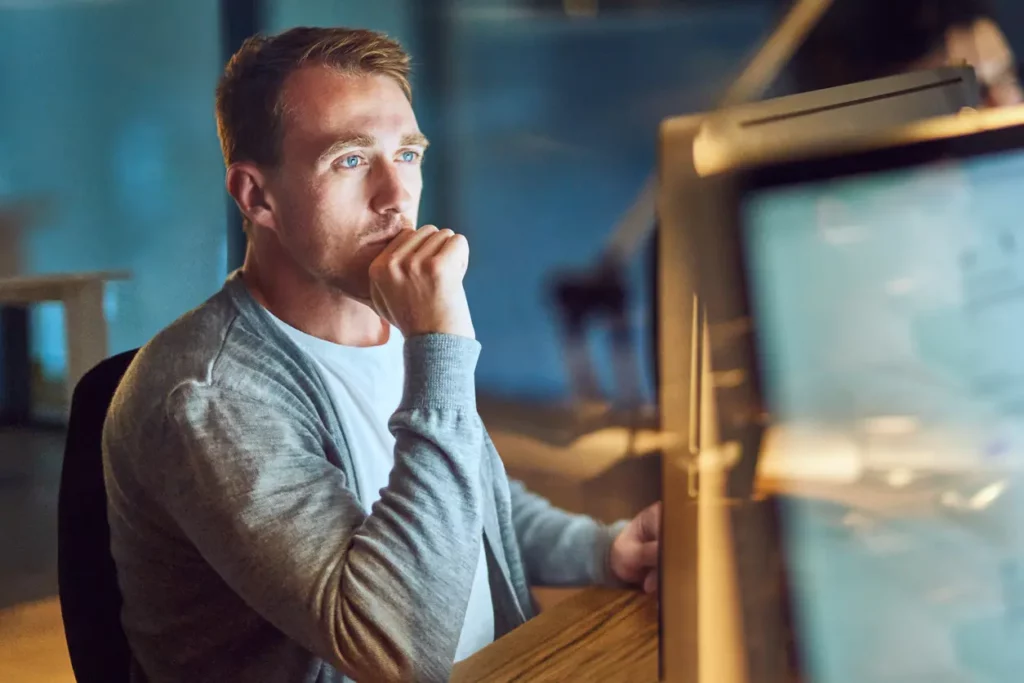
{"points": [[342, 195], [413, 180], [318, 205], [338, 217], [295, 203]]}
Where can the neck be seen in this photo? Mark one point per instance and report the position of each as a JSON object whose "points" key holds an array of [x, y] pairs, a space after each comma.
{"points": [[311, 306]]}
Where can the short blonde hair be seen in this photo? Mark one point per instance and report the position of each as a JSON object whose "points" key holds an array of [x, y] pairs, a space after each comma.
{"points": [[249, 107]]}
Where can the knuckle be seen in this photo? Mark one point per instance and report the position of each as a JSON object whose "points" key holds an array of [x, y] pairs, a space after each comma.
{"points": [[434, 267], [396, 268]]}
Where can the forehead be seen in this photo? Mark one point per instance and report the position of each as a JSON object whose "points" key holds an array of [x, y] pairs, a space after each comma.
{"points": [[319, 101]]}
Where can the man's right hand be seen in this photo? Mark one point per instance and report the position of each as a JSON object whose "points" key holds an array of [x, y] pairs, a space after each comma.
{"points": [[416, 283]]}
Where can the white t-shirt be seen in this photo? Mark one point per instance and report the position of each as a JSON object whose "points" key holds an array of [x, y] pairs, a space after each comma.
{"points": [[365, 384]]}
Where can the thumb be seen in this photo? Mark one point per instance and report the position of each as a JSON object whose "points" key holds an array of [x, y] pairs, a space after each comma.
{"points": [[651, 581], [649, 522], [648, 554]]}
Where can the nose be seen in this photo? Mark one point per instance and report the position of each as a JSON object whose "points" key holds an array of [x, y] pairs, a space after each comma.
{"points": [[388, 192]]}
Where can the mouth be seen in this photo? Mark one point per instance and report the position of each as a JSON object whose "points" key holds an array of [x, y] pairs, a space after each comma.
{"points": [[382, 239], [385, 236]]}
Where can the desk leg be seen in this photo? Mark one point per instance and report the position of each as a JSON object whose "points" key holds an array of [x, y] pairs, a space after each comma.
{"points": [[86, 329], [15, 367]]}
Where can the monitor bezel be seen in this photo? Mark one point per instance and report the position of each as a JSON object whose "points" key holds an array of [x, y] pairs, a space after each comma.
{"points": [[741, 406], [732, 313], [689, 203]]}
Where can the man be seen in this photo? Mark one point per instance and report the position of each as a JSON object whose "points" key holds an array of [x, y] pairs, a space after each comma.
{"points": [[289, 501]]}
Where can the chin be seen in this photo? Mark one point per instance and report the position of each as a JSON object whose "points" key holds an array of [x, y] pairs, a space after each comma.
{"points": [[350, 287]]}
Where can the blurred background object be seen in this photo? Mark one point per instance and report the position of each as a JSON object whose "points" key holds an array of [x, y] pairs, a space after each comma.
{"points": [[16, 218], [858, 41], [817, 306]]}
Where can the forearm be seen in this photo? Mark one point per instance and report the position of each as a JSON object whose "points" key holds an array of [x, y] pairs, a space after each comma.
{"points": [[410, 566], [560, 548], [380, 596]]}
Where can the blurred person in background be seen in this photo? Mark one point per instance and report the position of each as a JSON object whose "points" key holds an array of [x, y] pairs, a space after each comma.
{"points": [[300, 486], [860, 40]]}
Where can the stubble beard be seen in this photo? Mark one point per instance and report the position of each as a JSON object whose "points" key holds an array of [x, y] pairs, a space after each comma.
{"points": [[351, 276]]}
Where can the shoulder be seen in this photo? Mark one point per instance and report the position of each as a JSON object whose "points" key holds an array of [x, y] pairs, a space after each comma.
{"points": [[215, 352]]}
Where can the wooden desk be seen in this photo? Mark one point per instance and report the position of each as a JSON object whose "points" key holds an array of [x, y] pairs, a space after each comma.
{"points": [[84, 319], [600, 634]]}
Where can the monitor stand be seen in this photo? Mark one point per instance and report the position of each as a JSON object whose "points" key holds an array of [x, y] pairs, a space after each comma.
{"points": [[697, 641]]}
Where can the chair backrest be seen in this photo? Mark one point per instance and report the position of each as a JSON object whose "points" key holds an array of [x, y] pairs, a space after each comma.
{"points": [[90, 599]]}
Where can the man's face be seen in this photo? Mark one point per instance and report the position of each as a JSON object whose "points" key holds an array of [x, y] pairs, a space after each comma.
{"points": [[349, 176]]}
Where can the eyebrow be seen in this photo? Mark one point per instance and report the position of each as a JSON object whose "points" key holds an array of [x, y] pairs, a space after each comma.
{"points": [[415, 140], [357, 140]]}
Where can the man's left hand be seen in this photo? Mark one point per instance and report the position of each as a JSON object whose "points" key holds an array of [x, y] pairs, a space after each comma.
{"points": [[634, 554]]}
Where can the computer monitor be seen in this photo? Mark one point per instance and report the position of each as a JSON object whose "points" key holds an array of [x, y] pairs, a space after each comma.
{"points": [[744, 134], [697, 151], [694, 186], [869, 303]]}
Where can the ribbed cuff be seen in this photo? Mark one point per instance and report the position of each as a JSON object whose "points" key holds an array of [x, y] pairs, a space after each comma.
{"points": [[603, 548], [440, 370]]}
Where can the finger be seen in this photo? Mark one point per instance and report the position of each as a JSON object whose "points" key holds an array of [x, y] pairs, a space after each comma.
{"points": [[649, 554], [651, 582], [433, 245], [412, 244], [456, 253], [403, 236]]}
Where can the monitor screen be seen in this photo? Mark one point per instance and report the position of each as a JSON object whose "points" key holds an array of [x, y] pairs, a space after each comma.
{"points": [[889, 316]]}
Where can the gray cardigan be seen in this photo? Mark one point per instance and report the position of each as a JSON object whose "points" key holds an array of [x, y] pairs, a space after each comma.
{"points": [[242, 550]]}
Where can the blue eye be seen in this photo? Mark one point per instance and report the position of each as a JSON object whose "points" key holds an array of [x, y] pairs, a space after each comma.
{"points": [[409, 156], [351, 161]]}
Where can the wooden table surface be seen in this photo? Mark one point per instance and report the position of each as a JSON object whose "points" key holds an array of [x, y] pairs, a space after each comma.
{"points": [[600, 634]]}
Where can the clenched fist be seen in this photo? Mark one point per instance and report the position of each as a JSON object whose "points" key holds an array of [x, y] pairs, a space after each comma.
{"points": [[416, 283]]}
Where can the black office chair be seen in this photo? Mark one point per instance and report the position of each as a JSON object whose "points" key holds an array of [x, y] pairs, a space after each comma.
{"points": [[90, 599]]}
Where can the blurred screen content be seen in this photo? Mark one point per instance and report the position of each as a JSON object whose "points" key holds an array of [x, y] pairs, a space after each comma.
{"points": [[890, 309], [890, 318]]}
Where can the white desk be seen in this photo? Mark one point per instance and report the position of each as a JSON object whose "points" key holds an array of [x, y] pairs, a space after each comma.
{"points": [[84, 319]]}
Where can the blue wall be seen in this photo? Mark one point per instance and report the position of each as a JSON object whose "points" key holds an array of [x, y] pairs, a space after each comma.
{"points": [[107, 114], [557, 124]]}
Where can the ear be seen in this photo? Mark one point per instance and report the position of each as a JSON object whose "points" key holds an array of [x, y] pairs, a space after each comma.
{"points": [[247, 185]]}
